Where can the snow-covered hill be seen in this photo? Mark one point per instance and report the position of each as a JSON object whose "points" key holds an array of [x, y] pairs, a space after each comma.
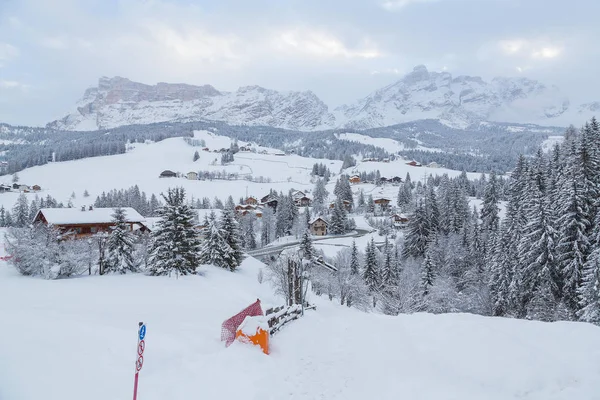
{"points": [[421, 94], [143, 164], [76, 338]]}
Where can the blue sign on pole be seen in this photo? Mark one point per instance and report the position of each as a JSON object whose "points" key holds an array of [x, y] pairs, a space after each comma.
{"points": [[142, 332]]}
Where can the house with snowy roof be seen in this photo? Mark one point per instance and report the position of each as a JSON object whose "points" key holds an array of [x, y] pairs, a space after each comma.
{"points": [[87, 221], [318, 227]]}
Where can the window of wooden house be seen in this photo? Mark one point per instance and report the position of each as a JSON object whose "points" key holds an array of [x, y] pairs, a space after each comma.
{"points": [[94, 229]]}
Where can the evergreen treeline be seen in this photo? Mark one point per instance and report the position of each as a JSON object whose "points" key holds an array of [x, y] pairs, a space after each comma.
{"points": [[132, 197], [544, 258]]}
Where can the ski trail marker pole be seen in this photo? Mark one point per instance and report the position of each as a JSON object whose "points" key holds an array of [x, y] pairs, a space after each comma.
{"points": [[141, 346]]}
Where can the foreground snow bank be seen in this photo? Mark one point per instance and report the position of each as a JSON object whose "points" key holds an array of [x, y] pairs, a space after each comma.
{"points": [[74, 339]]}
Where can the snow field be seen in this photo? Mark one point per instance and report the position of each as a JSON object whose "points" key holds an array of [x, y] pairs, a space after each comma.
{"points": [[76, 338]]}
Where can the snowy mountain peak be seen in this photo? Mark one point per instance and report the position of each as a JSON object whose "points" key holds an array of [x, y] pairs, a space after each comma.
{"points": [[459, 102], [119, 101]]}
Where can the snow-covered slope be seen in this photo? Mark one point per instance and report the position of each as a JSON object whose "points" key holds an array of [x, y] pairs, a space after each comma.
{"points": [[76, 338], [456, 101], [118, 101], [143, 164]]}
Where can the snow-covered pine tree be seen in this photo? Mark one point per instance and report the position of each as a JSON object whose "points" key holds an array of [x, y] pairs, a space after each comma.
{"points": [[389, 274], [537, 248], [490, 211], [573, 244], [307, 247], [214, 249], [34, 208], [154, 205], [20, 212], [354, 260], [2, 216], [229, 204], [500, 276], [418, 234], [120, 246], [339, 218], [196, 156], [343, 190], [248, 236], [267, 226], [231, 235], [320, 195], [428, 269], [175, 241], [432, 210], [307, 217], [361, 201], [371, 271], [589, 290], [370, 204]]}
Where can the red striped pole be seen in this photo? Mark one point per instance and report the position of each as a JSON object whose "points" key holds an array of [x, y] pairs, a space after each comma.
{"points": [[139, 362]]}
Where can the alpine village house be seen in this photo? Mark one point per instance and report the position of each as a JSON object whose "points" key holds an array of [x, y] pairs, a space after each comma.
{"points": [[318, 227], [82, 222]]}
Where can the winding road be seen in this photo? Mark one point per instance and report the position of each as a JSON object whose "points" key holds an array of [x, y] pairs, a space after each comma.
{"points": [[277, 249]]}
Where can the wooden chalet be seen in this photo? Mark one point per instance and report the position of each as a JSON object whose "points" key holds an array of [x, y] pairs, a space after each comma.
{"points": [[347, 205], [413, 163], [36, 188], [251, 200], [399, 220], [318, 227], [86, 221], [382, 202], [5, 188], [270, 200], [396, 180], [303, 201], [354, 179], [167, 174]]}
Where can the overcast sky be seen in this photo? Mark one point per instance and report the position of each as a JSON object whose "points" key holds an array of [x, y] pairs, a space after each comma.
{"points": [[52, 50]]}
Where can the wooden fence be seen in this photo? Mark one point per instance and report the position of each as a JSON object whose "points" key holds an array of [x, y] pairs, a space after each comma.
{"points": [[279, 316]]}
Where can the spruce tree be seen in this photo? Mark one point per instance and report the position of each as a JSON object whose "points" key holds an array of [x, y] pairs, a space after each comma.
{"points": [[500, 275], [428, 270], [214, 249], [196, 156], [21, 212], [339, 218], [266, 226], [371, 274], [354, 261], [490, 210], [231, 236], [418, 234], [120, 245], [537, 248], [307, 217], [573, 244], [320, 194], [589, 290], [175, 241], [307, 247]]}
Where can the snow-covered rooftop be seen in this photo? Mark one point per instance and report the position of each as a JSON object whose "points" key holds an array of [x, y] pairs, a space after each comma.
{"points": [[63, 216], [312, 221]]}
